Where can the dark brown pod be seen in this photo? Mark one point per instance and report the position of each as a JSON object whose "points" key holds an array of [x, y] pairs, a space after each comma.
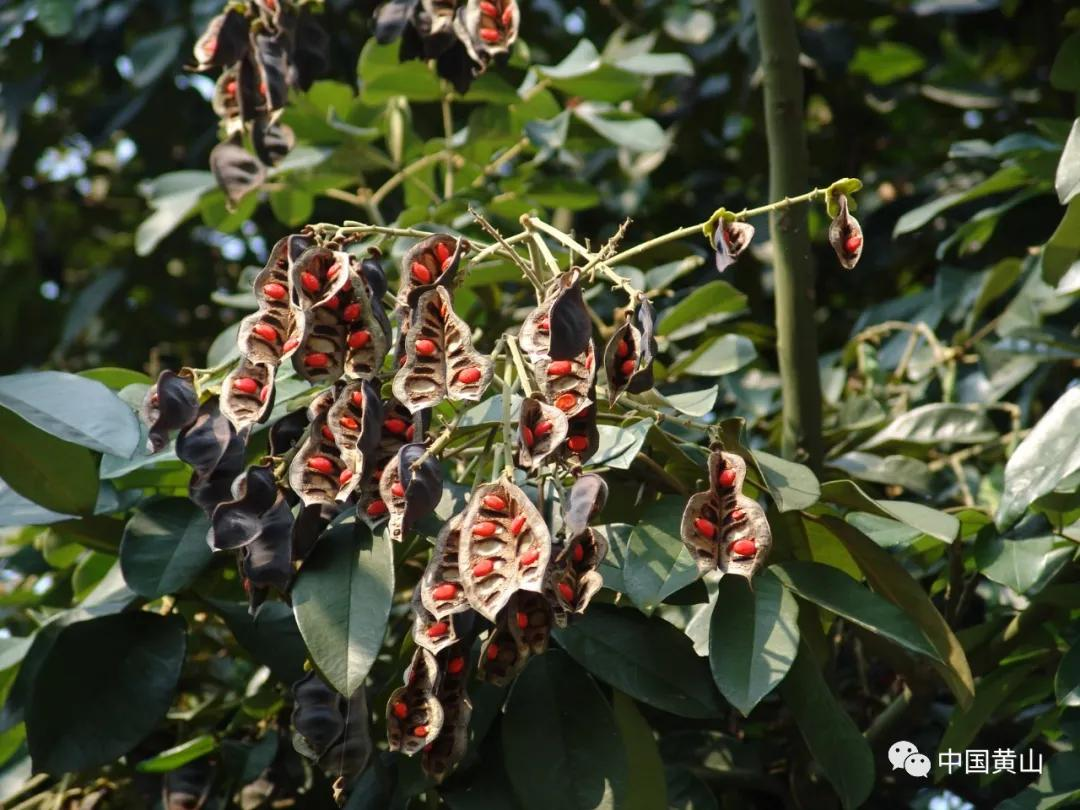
{"points": [[247, 394], [487, 29], [225, 101], [251, 102], [272, 62], [542, 429], [572, 581], [504, 652], [324, 292], [310, 51], [367, 328], [429, 632], [535, 334], [628, 356], [398, 428], [410, 494], [210, 446], [317, 275], [440, 588], [287, 431], [236, 170], [446, 750], [587, 497], [567, 384], [328, 729], [534, 619], [582, 438], [374, 274], [170, 404], [237, 522], [730, 240], [224, 41], [504, 547], [414, 715], [571, 327], [272, 140], [392, 18], [845, 235], [266, 562], [270, 334], [355, 421], [187, 787], [316, 471]]}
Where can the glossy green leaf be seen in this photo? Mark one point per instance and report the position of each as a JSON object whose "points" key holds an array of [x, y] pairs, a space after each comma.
{"points": [[1067, 179], [179, 755], [887, 62], [164, 547], [1065, 72], [104, 686], [657, 563], [557, 722], [271, 636], [634, 134], [1058, 786], [716, 357], [712, 303], [693, 403], [1026, 558], [292, 206], [929, 521], [837, 592], [904, 471], [174, 197], [1063, 248], [646, 789], [382, 76], [1003, 180], [645, 657], [341, 599], [584, 73], [791, 485], [619, 445], [936, 423], [1067, 679], [753, 638]]}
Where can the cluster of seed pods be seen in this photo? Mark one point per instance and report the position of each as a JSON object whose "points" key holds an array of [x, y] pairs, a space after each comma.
{"points": [[263, 47], [722, 527], [462, 37]]}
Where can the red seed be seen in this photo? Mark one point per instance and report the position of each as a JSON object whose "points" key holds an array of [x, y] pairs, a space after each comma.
{"points": [[327, 433], [495, 503], [578, 554], [488, 9], [426, 347], [394, 425], [262, 88], [527, 436], [566, 402], [335, 268], [397, 490], [352, 312], [468, 375], [230, 88], [736, 515], [628, 367], [489, 35], [485, 528], [321, 464], [210, 47], [578, 443], [358, 340], [316, 360], [622, 349], [852, 244], [274, 291], [705, 527], [529, 557], [448, 590], [421, 273], [333, 302], [376, 508], [455, 665], [542, 429], [517, 525], [349, 423], [522, 620], [410, 431], [310, 282], [588, 362], [438, 629], [266, 332], [543, 325], [566, 591], [289, 345], [345, 477], [492, 652], [508, 15], [726, 478], [559, 368], [357, 399], [264, 393], [745, 547], [400, 710], [420, 731], [442, 252], [483, 568], [245, 385]]}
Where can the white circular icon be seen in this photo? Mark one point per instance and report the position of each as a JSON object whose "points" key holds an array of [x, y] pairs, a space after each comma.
{"points": [[899, 751]]}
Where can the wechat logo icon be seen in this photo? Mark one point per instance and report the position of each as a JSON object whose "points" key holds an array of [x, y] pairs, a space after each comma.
{"points": [[904, 755]]}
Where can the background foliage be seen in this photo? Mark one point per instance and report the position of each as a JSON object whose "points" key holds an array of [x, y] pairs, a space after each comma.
{"points": [[950, 483]]}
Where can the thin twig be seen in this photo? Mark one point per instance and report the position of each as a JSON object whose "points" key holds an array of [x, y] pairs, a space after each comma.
{"points": [[616, 280], [493, 167], [400, 177], [493, 232], [519, 363], [448, 134]]}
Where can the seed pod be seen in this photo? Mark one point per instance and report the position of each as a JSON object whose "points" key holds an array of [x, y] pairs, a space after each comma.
{"points": [[247, 395], [210, 446], [397, 425], [310, 278], [730, 240], [355, 421], [250, 101], [440, 362], [266, 562], [187, 787], [446, 750], [409, 494], [310, 52], [570, 585], [367, 328], [236, 171], [420, 710], [442, 574], [570, 332], [582, 438], [272, 140], [392, 18], [272, 62], [264, 334], [845, 235], [315, 470], [328, 729], [429, 632], [587, 497], [224, 41], [434, 260], [535, 334], [237, 522], [567, 387], [628, 356], [533, 618], [504, 652], [372, 270], [541, 431], [318, 277], [487, 35], [170, 404], [225, 101], [287, 431], [501, 550]]}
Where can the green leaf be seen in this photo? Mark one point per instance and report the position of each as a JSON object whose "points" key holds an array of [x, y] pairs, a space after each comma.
{"points": [[1001, 181], [164, 547], [173, 197], [934, 424], [619, 445], [1046, 456], [292, 206], [271, 636], [645, 657], [716, 357], [904, 471], [1026, 558], [656, 64], [583, 73], [1065, 72], [104, 686], [834, 590], [179, 755], [153, 53], [753, 638], [342, 600], [1067, 179], [646, 788], [382, 76], [557, 722], [693, 403], [791, 486], [57, 475], [1063, 247], [56, 17], [1067, 679], [657, 563], [887, 62], [73, 408], [929, 521], [832, 737], [634, 134], [888, 577], [712, 303], [1057, 786]]}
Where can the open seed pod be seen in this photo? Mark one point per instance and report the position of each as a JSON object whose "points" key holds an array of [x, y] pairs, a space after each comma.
{"points": [[328, 729], [587, 497], [445, 751], [236, 170], [225, 101], [440, 361], [487, 28], [434, 260], [534, 337], [628, 356], [504, 547], [440, 588], [367, 328], [542, 429], [323, 300], [237, 522], [270, 334], [170, 404], [355, 420], [433, 634], [392, 18], [582, 438], [266, 562], [567, 384], [316, 470], [414, 716], [534, 619], [317, 275], [504, 652], [374, 274], [845, 235], [224, 42], [398, 428], [730, 240], [571, 584], [310, 52], [247, 394], [410, 494]]}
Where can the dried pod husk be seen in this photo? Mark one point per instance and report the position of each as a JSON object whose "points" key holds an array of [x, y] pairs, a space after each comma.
{"points": [[270, 334], [237, 522], [311, 522], [414, 715], [320, 356], [225, 101], [440, 362], [328, 729], [287, 431], [434, 260], [568, 384], [700, 530], [504, 546], [272, 14], [534, 338], [247, 394], [315, 472], [236, 170], [410, 494], [587, 497], [170, 404], [628, 356], [266, 562], [504, 652], [355, 420], [582, 438], [271, 58], [317, 275], [571, 584], [730, 240], [534, 620], [429, 632], [210, 446], [224, 41], [272, 140], [367, 328], [187, 787], [443, 753], [542, 429], [585, 551], [570, 326], [487, 28], [845, 235], [374, 274], [392, 18], [250, 101], [398, 428], [440, 588], [312, 44]]}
